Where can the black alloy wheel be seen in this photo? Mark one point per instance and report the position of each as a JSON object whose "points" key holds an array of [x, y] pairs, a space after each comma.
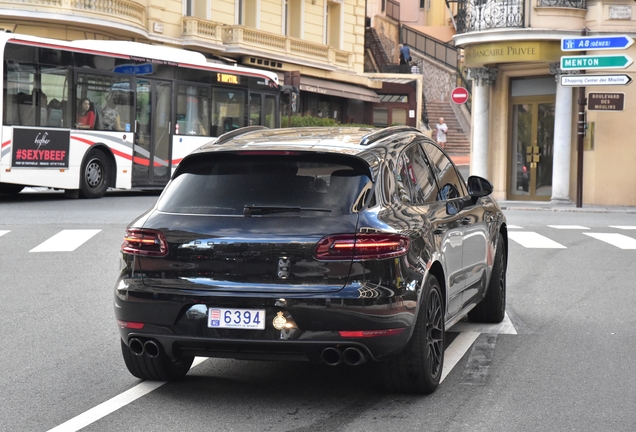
{"points": [[492, 309], [418, 368], [95, 175], [157, 368]]}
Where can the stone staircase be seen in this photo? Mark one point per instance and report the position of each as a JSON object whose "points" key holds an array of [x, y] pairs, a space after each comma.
{"points": [[376, 50], [457, 143]]}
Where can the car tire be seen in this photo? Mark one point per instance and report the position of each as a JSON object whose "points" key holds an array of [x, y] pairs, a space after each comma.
{"points": [[492, 309], [95, 175], [418, 368], [159, 368]]}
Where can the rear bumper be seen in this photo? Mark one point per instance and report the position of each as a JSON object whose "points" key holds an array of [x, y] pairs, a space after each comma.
{"points": [[178, 321]]}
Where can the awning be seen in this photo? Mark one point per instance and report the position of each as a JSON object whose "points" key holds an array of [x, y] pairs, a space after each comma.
{"points": [[335, 88]]}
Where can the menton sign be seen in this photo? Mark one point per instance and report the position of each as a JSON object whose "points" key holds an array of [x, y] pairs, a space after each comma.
{"points": [[595, 62]]}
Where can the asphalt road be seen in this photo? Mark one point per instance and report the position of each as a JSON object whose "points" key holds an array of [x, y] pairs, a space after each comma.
{"points": [[566, 362]]}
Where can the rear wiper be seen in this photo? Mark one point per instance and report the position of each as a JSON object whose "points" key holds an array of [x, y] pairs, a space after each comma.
{"points": [[258, 210]]}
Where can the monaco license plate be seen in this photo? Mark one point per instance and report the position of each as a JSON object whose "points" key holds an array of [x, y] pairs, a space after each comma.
{"points": [[250, 319]]}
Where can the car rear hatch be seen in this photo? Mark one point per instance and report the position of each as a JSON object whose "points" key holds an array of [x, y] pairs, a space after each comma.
{"points": [[254, 222]]}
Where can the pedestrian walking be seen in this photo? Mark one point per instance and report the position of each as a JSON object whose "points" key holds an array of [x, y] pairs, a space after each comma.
{"points": [[405, 54], [441, 132]]}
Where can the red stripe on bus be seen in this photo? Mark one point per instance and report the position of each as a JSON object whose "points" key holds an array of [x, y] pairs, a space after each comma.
{"points": [[115, 152], [6, 143], [144, 162]]}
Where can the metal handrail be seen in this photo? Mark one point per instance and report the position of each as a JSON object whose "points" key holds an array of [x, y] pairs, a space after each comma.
{"points": [[430, 47], [393, 10]]}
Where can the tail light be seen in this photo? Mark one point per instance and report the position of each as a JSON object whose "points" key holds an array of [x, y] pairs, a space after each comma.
{"points": [[361, 247], [145, 242], [371, 333]]}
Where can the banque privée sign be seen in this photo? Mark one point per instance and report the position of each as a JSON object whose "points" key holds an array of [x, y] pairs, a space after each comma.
{"points": [[511, 52]]}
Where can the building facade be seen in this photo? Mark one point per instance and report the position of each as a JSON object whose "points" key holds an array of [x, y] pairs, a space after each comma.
{"points": [[525, 108], [321, 40]]}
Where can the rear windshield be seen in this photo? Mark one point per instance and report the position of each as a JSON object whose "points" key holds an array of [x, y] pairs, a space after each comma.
{"points": [[266, 185]]}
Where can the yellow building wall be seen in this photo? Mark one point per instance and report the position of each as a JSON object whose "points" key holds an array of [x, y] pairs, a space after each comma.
{"points": [[271, 18], [609, 173]]}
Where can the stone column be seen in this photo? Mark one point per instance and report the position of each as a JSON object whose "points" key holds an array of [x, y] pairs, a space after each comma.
{"points": [[562, 140], [482, 78]]}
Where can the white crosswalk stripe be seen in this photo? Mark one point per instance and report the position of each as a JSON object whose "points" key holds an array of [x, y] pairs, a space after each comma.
{"points": [[532, 240], [623, 227], [3, 232], [619, 240], [66, 240], [569, 227]]}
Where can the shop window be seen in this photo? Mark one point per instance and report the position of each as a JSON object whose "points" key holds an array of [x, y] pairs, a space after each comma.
{"points": [[398, 116], [380, 117]]}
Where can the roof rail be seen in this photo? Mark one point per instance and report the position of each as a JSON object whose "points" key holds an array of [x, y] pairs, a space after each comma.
{"points": [[373, 137], [228, 136]]}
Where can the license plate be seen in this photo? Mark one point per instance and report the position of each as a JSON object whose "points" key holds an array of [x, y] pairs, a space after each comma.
{"points": [[250, 319]]}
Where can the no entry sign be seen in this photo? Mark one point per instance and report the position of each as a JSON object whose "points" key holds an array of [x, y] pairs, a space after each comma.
{"points": [[459, 95]]}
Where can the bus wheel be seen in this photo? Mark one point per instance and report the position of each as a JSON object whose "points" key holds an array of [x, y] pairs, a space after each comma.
{"points": [[95, 175]]}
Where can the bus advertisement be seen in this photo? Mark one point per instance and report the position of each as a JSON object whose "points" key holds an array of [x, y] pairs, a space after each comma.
{"points": [[88, 115]]}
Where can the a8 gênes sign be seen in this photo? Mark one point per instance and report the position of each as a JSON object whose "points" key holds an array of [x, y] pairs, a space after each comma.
{"points": [[459, 95]]}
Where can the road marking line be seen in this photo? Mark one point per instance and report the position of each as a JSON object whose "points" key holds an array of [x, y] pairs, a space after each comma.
{"points": [[532, 240], [623, 227], [569, 227], [619, 240], [456, 350], [514, 227], [3, 232], [66, 241], [479, 360], [504, 327], [113, 404]]}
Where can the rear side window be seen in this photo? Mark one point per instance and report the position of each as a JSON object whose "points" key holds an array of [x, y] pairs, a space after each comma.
{"points": [[266, 185]]}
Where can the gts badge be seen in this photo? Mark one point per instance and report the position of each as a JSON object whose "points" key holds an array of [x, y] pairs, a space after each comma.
{"points": [[283, 267]]}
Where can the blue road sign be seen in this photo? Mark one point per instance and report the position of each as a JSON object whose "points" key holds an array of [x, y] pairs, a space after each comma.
{"points": [[590, 43]]}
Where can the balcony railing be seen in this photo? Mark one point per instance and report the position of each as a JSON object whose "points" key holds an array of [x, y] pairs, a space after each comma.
{"points": [[578, 4], [111, 10], [266, 43], [393, 10], [475, 15]]}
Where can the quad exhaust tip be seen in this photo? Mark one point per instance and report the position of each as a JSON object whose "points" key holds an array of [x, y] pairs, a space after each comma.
{"points": [[139, 347], [352, 356]]}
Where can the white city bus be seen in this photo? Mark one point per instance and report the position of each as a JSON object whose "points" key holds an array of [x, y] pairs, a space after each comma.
{"points": [[150, 107]]}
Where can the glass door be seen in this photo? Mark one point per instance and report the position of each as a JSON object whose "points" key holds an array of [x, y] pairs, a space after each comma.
{"points": [[153, 113], [532, 145]]}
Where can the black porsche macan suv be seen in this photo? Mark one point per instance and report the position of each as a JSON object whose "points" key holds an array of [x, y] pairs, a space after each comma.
{"points": [[332, 245]]}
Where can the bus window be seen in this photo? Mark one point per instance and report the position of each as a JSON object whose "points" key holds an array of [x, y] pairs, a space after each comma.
{"points": [[255, 109], [193, 113], [270, 112], [110, 99], [55, 87], [228, 110]]}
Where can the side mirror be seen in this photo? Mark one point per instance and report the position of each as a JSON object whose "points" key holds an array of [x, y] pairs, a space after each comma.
{"points": [[478, 187]]}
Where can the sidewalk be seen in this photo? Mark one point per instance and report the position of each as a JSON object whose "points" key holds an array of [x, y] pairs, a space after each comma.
{"points": [[463, 164], [565, 207]]}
